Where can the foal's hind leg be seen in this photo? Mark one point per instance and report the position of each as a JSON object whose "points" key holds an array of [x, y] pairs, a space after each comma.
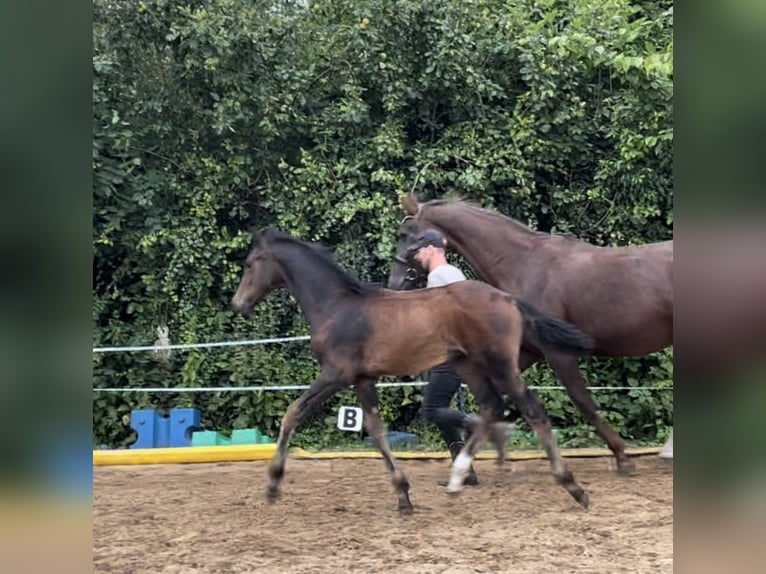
{"points": [[365, 390], [490, 409], [568, 372], [296, 413], [462, 462], [490, 401], [534, 413]]}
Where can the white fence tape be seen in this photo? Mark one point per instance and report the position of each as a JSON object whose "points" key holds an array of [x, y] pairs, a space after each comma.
{"points": [[303, 387], [156, 348]]}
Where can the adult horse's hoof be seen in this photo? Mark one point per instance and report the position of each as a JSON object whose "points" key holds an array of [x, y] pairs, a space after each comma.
{"points": [[500, 434], [453, 492], [584, 500], [626, 467], [405, 509]]}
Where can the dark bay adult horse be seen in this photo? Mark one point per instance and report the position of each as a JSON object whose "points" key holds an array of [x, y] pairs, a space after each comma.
{"points": [[621, 296], [360, 332]]}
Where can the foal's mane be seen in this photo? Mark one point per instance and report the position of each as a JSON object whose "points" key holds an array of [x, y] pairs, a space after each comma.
{"points": [[323, 256]]}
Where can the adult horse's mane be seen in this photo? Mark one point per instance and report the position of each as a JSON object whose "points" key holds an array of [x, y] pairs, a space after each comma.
{"points": [[494, 216], [323, 255]]}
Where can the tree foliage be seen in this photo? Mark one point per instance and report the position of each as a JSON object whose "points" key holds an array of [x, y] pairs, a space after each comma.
{"points": [[215, 118]]}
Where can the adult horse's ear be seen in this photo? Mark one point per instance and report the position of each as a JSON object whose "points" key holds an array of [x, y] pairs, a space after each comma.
{"points": [[259, 235], [410, 203]]}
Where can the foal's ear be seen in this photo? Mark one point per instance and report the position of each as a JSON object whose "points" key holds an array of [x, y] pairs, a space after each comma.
{"points": [[410, 203]]}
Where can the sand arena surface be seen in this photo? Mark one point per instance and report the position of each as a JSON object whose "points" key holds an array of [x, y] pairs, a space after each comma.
{"points": [[340, 516]]}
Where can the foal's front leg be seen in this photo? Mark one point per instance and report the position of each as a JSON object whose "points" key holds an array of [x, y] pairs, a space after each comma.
{"points": [[368, 397], [297, 412]]}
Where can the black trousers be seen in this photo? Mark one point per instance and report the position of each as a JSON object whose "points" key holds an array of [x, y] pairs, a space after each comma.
{"points": [[443, 384]]}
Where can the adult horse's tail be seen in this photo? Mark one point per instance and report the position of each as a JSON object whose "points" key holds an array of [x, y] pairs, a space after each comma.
{"points": [[551, 333]]}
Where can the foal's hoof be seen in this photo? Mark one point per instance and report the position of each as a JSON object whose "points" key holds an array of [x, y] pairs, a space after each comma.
{"points": [[625, 467], [474, 482], [272, 493], [405, 509], [584, 500]]}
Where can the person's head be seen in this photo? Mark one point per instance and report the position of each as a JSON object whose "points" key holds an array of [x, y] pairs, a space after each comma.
{"points": [[428, 249]]}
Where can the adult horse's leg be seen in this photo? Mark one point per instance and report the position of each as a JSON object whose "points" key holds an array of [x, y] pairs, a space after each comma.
{"points": [[297, 412], [568, 372], [527, 359], [368, 397]]}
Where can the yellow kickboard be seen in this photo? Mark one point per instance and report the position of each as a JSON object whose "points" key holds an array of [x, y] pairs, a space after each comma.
{"points": [[482, 455], [185, 454], [247, 452]]}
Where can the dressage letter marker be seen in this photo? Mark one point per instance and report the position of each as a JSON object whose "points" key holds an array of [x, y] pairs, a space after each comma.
{"points": [[350, 419]]}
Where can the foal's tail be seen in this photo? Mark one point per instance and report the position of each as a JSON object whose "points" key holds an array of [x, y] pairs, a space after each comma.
{"points": [[551, 333]]}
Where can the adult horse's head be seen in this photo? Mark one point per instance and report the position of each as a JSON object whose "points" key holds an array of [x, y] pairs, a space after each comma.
{"points": [[406, 273], [260, 276]]}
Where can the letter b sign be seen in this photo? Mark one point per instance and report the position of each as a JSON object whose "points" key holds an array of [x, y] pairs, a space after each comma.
{"points": [[350, 419]]}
